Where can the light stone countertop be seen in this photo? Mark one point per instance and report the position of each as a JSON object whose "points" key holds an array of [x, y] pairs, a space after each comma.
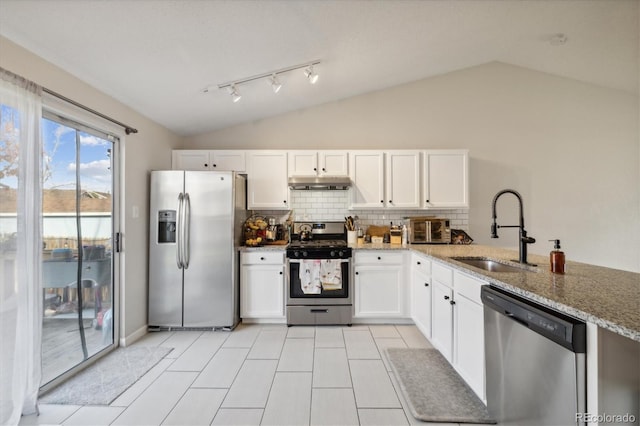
{"points": [[609, 298]]}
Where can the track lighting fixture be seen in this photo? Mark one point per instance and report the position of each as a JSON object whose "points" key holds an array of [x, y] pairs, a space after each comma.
{"points": [[276, 85], [312, 76], [235, 96]]}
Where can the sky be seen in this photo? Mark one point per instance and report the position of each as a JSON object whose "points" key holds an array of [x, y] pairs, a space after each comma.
{"points": [[60, 155], [60, 152]]}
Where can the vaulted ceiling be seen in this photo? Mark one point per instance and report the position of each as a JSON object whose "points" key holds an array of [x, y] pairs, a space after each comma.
{"points": [[157, 56]]}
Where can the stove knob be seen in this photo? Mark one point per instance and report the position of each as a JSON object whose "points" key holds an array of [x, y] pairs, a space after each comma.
{"points": [[341, 253], [296, 253], [333, 253], [304, 253]]}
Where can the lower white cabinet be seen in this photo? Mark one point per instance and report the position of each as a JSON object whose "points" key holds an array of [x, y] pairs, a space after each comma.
{"points": [[262, 285], [457, 323], [442, 319], [378, 285], [421, 294]]}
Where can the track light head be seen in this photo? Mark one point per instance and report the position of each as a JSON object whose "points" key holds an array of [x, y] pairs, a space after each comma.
{"points": [[275, 84], [235, 96], [311, 75]]}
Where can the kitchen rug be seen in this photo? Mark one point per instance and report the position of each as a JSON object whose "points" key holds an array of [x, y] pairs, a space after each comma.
{"points": [[104, 381], [433, 389]]}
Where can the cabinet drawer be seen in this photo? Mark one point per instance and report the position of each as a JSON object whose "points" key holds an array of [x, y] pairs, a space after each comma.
{"points": [[378, 258], [442, 274], [262, 257], [468, 286], [421, 264]]}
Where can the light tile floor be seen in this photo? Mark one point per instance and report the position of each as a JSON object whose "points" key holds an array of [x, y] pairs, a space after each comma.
{"points": [[260, 374]]}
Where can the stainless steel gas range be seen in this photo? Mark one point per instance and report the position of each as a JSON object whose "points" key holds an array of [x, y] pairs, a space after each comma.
{"points": [[319, 275]]}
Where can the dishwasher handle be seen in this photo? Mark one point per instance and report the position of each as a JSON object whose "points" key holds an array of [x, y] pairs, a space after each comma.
{"points": [[566, 331]]}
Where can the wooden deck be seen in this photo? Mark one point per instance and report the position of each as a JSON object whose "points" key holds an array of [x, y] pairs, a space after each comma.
{"points": [[61, 347]]}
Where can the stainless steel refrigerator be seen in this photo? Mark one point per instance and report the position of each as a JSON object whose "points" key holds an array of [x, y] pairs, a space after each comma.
{"points": [[196, 221]]}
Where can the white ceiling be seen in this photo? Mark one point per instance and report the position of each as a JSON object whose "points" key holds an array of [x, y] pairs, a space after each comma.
{"points": [[157, 56]]}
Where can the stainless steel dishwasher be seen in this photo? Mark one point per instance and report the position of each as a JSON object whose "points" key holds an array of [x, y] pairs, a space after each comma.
{"points": [[535, 361]]}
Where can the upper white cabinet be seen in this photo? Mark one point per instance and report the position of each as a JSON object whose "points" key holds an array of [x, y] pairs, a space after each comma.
{"points": [[446, 179], [366, 169], [403, 179], [267, 180], [318, 163], [200, 159]]}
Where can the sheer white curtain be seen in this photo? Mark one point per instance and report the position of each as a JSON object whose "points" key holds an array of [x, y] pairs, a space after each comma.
{"points": [[21, 296]]}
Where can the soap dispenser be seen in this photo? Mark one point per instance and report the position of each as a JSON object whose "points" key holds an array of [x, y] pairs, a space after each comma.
{"points": [[556, 258]]}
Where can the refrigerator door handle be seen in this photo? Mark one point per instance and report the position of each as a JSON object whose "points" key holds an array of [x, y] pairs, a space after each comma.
{"points": [[187, 231], [179, 232]]}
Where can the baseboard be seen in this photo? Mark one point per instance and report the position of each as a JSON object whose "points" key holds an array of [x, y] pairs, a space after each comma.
{"points": [[133, 337]]}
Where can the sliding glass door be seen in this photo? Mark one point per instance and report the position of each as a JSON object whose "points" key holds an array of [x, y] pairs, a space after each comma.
{"points": [[78, 244]]}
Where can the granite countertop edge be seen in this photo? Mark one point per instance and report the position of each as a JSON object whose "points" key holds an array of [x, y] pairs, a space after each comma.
{"points": [[580, 293]]}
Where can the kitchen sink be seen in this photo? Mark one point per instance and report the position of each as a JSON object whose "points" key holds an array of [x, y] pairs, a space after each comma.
{"points": [[492, 265]]}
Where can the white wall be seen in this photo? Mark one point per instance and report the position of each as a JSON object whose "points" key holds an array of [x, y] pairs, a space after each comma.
{"points": [[570, 148], [149, 149]]}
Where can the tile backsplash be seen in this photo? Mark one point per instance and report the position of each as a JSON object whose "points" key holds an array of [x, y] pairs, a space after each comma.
{"points": [[334, 206]]}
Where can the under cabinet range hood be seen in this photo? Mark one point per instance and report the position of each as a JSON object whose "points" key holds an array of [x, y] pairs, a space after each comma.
{"points": [[319, 183]]}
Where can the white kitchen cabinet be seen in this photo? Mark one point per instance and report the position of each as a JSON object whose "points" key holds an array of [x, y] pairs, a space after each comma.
{"points": [[421, 294], [366, 169], [378, 286], [442, 318], [403, 179], [318, 163], [446, 179], [262, 285], [198, 159], [468, 343], [267, 186], [190, 159]]}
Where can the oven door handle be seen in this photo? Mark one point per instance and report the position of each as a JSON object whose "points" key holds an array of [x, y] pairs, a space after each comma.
{"points": [[300, 260]]}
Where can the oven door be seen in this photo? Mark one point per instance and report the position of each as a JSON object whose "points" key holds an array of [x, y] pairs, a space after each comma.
{"points": [[296, 296]]}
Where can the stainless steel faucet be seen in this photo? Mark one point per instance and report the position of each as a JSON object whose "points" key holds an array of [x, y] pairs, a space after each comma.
{"points": [[524, 240]]}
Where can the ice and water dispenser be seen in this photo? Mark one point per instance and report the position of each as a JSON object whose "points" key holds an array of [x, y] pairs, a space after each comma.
{"points": [[166, 226]]}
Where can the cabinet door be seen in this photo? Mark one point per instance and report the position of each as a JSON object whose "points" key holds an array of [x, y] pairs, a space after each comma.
{"points": [[333, 163], [262, 291], [188, 159], [267, 180], [421, 302], [442, 319], [303, 163], [469, 343], [229, 161], [378, 292], [446, 180], [403, 179], [366, 169]]}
